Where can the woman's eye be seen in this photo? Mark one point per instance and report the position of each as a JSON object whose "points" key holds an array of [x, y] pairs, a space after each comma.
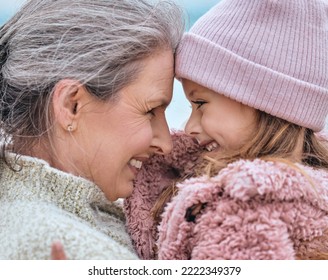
{"points": [[199, 103], [151, 112]]}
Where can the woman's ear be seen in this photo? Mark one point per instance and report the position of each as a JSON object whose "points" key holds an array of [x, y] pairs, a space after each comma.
{"points": [[68, 97]]}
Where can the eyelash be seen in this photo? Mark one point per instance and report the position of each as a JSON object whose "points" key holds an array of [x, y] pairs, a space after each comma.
{"points": [[151, 112], [199, 103]]}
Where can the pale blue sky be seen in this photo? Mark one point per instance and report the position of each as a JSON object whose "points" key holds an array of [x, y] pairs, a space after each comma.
{"points": [[194, 8], [7, 9]]}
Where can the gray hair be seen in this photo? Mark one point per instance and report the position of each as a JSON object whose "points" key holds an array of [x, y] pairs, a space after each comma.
{"points": [[94, 42]]}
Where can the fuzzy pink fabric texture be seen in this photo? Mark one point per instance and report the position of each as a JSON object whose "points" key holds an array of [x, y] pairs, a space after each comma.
{"points": [[252, 209], [157, 174]]}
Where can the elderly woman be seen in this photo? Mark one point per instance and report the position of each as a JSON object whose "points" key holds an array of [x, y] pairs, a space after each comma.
{"points": [[84, 86]]}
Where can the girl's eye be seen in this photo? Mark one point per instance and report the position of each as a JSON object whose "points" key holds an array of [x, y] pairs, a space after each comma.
{"points": [[199, 103]]}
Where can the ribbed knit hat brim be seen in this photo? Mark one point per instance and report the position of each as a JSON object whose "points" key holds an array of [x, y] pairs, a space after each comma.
{"points": [[268, 54]]}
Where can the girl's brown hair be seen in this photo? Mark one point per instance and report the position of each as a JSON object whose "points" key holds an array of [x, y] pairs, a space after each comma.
{"points": [[275, 138]]}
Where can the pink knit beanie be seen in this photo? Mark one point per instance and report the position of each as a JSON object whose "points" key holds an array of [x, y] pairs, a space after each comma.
{"points": [[271, 55]]}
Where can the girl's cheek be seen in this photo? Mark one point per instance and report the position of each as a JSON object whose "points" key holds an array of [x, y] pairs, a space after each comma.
{"points": [[207, 123]]}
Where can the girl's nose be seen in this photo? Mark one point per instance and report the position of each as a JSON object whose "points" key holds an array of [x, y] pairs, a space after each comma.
{"points": [[193, 126]]}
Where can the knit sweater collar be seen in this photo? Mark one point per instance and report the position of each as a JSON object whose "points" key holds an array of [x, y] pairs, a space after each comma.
{"points": [[36, 178]]}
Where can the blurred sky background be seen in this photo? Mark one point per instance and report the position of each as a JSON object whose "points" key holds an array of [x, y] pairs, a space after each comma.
{"points": [[179, 109]]}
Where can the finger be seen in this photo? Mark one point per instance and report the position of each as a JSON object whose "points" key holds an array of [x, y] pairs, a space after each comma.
{"points": [[57, 251]]}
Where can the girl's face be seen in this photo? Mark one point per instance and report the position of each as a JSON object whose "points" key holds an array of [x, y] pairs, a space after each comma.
{"points": [[217, 122]]}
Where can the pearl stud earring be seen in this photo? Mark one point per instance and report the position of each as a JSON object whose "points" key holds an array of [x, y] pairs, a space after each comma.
{"points": [[70, 128]]}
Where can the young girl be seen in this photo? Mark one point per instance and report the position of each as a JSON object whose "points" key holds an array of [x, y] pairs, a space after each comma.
{"points": [[252, 180]]}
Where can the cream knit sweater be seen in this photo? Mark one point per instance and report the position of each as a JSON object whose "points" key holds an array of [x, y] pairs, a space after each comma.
{"points": [[40, 204]]}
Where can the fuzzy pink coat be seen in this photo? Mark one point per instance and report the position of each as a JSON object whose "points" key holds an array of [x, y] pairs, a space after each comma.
{"points": [[250, 210]]}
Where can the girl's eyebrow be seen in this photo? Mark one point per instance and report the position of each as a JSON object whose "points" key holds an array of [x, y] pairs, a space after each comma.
{"points": [[192, 93]]}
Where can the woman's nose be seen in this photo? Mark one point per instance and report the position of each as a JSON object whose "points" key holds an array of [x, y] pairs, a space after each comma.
{"points": [[162, 141]]}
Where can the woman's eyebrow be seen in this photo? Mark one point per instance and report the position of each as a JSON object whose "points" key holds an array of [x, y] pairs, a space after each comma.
{"points": [[162, 102]]}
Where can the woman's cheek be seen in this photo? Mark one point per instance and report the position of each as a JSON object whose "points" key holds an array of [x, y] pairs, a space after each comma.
{"points": [[144, 135]]}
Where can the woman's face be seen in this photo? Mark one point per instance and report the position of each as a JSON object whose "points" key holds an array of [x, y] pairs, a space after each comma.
{"points": [[217, 122], [113, 138]]}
